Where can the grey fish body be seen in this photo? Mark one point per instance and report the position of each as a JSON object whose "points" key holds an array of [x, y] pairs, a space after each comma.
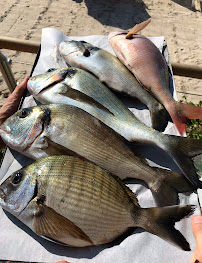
{"points": [[114, 74], [83, 90], [77, 203], [106, 107], [62, 129]]}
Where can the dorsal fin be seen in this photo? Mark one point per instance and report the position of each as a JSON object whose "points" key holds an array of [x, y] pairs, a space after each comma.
{"points": [[137, 28]]}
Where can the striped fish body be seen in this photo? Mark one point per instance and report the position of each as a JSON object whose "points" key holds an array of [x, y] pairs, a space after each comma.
{"points": [[75, 202]]}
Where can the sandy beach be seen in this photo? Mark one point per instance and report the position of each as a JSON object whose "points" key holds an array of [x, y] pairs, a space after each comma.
{"points": [[174, 19]]}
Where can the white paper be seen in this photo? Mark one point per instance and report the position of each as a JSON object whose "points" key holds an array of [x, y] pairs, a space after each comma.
{"points": [[19, 243]]}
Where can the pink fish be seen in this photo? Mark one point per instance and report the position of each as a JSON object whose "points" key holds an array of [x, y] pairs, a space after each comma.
{"points": [[146, 62]]}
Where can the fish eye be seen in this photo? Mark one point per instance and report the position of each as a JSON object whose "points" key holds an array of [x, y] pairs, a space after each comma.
{"points": [[86, 53], [23, 113], [50, 69], [17, 178]]}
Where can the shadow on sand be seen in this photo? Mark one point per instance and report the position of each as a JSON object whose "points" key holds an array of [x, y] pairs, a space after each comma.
{"points": [[185, 3], [121, 14]]}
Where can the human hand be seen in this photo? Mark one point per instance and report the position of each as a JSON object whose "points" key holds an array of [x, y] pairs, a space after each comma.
{"points": [[11, 104], [197, 231]]}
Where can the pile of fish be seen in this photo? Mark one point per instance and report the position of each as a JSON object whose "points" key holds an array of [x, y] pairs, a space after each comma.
{"points": [[83, 139]]}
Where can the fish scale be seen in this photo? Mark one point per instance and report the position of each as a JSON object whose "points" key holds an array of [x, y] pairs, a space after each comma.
{"points": [[64, 204], [69, 130], [109, 198], [114, 74]]}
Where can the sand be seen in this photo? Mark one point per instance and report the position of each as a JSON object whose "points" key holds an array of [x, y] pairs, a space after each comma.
{"points": [[176, 20]]}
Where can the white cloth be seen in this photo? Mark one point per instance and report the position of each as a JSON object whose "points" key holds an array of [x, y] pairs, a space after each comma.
{"points": [[19, 243]]}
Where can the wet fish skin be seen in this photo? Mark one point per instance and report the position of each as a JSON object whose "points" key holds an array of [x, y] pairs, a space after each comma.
{"points": [[114, 74], [70, 130], [81, 89], [143, 58], [77, 203]]}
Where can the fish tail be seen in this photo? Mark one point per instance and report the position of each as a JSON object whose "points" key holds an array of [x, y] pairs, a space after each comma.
{"points": [[159, 118], [165, 192], [160, 221], [182, 150], [180, 112]]}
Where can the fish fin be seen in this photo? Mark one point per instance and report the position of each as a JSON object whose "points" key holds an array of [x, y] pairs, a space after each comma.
{"points": [[50, 224], [162, 220], [165, 195], [182, 151], [165, 192], [159, 118], [177, 181], [137, 28], [180, 112], [57, 149], [81, 97]]}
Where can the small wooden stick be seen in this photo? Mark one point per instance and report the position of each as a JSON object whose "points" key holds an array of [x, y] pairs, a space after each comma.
{"points": [[138, 28]]}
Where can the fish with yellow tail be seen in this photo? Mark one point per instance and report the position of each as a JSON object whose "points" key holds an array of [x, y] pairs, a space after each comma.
{"points": [[74, 202]]}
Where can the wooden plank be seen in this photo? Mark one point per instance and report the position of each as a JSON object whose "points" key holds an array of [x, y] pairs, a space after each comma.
{"points": [[19, 44], [179, 69]]}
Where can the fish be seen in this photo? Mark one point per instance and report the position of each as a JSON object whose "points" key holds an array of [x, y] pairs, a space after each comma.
{"points": [[56, 129], [120, 119], [141, 56], [74, 202], [109, 70], [77, 87]]}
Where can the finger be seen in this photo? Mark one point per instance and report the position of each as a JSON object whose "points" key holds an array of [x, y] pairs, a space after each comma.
{"points": [[197, 231], [20, 88], [11, 104], [197, 227]]}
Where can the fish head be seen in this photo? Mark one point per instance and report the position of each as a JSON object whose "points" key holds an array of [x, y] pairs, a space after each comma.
{"points": [[75, 52], [39, 83], [18, 190], [21, 129]]}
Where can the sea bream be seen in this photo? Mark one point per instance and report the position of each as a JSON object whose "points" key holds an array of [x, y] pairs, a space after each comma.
{"points": [[77, 87], [141, 56], [62, 129], [72, 201], [114, 74]]}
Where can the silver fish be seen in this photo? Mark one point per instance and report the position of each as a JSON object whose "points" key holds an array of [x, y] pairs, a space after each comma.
{"points": [[74, 202], [62, 129], [114, 74], [78, 88]]}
